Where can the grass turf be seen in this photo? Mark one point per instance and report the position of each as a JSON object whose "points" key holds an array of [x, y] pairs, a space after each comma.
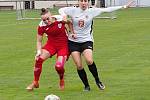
{"points": [[121, 52]]}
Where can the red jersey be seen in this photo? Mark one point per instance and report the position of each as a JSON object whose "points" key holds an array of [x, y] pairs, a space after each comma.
{"points": [[56, 32], [57, 38]]}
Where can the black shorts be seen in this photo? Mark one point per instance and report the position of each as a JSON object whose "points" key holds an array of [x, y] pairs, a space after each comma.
{"points": [[75, 46]]}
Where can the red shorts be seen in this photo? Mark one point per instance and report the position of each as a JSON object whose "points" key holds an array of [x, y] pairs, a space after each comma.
{"points": [[60, 50]]}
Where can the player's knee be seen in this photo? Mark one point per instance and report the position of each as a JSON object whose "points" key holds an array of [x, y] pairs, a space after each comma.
{"points": [[59, 67], [89, 62], [39, 62], [79, 67]]}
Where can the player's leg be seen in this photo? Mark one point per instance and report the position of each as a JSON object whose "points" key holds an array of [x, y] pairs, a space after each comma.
{"points": [[75, 50], [62, 55], [92, 67], [38, 69], [59, 66], [81, 72], [88, 55]]}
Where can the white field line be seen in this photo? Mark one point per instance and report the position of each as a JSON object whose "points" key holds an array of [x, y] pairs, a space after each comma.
{"points": [[13, 24]]}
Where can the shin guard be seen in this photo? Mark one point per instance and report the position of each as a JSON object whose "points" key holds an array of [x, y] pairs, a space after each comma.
{"points": [[38, 69], [59, 66]]}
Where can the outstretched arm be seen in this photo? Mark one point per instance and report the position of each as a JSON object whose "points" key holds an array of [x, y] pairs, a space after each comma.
{"points": [[97, 11], [110, 9]]}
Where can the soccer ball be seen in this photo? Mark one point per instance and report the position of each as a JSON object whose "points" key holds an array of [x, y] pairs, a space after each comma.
{"points": [[52, 97]]}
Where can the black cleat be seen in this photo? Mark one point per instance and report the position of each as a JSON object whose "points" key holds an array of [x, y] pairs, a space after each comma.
{"points": [[86, 88], [100, 85]]}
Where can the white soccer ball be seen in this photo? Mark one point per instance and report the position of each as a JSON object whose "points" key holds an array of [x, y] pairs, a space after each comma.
{"points": [[52, 97]]}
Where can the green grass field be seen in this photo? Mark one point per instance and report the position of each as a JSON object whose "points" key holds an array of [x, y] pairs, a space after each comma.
{"points": [[121, 52]]}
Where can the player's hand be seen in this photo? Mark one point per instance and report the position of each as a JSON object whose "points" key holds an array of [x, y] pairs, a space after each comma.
{"points": [[129, 4], [74, 36], [38, 54], [65, 18]]}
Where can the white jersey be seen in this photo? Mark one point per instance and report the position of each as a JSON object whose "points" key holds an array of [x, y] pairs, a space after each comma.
{"points": [[83, 20]]}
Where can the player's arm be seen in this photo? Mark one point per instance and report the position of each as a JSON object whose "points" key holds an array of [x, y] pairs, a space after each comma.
{"points": [[39, 39], [39, 42], [66, 11], [39, 45], [63, 13], [110, 9], [70, 26], [97, 11]]}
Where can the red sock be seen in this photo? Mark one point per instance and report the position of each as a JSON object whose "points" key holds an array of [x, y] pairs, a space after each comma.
{"points": [[38, 69]]}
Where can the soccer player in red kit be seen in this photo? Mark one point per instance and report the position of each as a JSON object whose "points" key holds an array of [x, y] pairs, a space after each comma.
{"points": [[57, 43]]}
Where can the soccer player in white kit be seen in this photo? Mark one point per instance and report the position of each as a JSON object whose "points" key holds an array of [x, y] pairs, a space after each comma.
{"points": [[82, 20]]}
